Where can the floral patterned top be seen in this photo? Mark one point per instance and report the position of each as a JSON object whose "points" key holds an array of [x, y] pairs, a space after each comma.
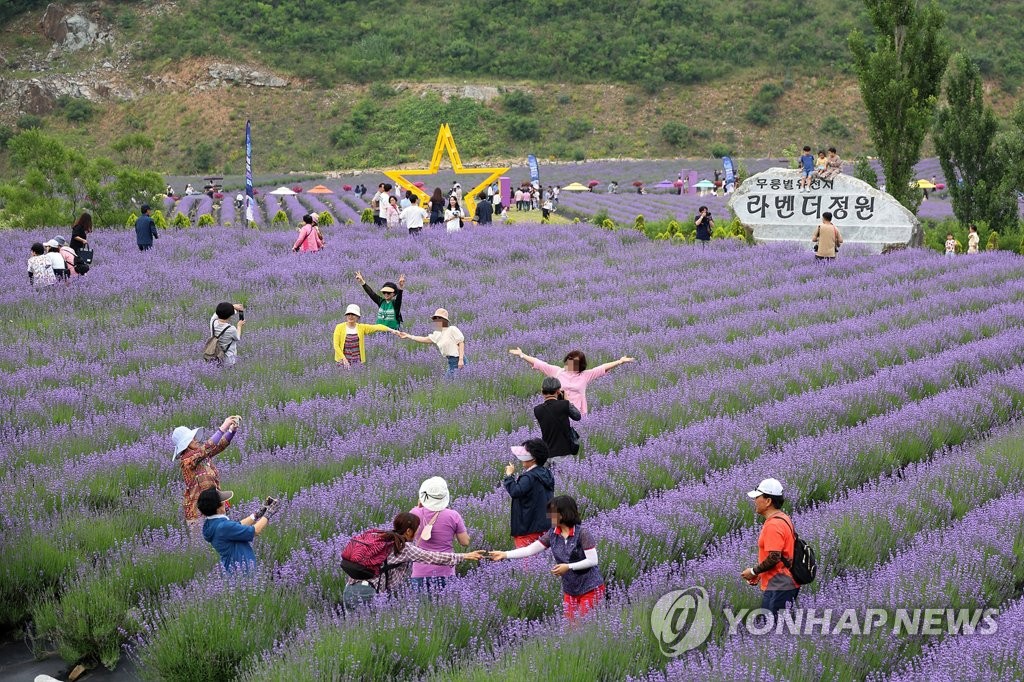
{"points": [[40, 271], [199, 471]]}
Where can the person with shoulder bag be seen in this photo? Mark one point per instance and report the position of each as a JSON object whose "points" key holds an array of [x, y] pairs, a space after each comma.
{"points": [[222, 346], [826, 239]]}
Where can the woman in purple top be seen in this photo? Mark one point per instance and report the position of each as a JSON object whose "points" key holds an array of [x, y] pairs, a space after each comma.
{"points": [[439, 526]]}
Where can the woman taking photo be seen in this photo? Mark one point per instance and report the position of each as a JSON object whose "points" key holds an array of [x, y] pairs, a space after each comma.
{"points": [[573, 374]]}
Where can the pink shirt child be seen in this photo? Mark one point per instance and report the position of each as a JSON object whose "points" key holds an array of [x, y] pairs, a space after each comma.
{"points": [[308, 239], [448, 524], [573, 383]]}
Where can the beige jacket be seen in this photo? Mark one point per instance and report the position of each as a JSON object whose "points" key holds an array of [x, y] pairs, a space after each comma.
{"points": [[828, 240]]}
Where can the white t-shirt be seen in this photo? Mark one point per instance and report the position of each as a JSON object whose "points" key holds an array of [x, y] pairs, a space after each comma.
{"points": [[447, 341], [413, 216], [452, 219], [56, 259], [382, 201], [496, 198], [228, 341]]}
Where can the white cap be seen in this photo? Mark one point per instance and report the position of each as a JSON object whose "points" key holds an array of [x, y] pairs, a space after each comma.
{"points": [[434, 494], [52, 244], [521, 453], [768, 486], [353, 309], [181, 438]]}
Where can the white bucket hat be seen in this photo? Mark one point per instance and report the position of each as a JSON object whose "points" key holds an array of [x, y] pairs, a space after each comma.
{"points": [[181, 438], [434, 494], [353, 309]]}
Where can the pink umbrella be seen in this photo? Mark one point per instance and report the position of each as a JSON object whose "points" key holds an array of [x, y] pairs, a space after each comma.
{"points": [[347, 188], [420, 185], [593, 183]]}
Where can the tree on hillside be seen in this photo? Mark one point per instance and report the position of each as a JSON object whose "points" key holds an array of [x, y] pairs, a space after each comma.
{"points": [[134, 148], [57, 182], [900, 73], [965, 136], [1009, 148]]}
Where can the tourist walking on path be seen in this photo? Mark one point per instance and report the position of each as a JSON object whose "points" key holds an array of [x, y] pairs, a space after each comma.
{"points": [[447, 337], [40, 268], [553, 416], [228, 335], [530, 492], [233, 539], [775, 549], [439, 528], [573, 374], [389, 302], [826, 238], [145, 230], [575, 551], [378, 560], [350, 337], [705, 225], [309, 237], [196, 462]]}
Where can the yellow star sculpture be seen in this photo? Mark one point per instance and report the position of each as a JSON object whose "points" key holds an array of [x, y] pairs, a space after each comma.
{"points": [[446, 142]]}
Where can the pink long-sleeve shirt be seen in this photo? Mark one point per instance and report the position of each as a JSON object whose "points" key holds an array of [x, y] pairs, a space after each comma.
{"points": [[573, 383]]}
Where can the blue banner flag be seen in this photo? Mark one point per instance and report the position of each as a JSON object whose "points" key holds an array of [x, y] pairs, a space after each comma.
{"points": [[531, 161], [250, 197], [730, 175]]}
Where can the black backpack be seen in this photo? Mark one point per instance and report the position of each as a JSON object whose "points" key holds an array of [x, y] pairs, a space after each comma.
{"points": [[804, 565]]}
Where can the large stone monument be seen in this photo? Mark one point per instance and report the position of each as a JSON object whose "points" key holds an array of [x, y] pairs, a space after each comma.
{"points": [[772, 205]]}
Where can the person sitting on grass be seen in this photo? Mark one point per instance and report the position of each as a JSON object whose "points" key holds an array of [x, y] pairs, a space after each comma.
{"points": [[389, 302], [447, 337], [575, 551], [380, 561], [573, 375], [350, 337], [232, 539], [196, 462]]}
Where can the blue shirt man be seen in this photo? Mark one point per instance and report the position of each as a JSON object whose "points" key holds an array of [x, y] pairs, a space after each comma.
{"points": [[232, 539], [145, 230]]}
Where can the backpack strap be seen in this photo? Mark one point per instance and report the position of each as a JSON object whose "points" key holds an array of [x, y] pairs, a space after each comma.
{"points": [[788, 522]]}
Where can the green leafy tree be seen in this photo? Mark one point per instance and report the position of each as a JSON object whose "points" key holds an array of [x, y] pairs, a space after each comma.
{"points": [[134, 148], [863, 170], [675, 134], [900, 73], [965, 136]]}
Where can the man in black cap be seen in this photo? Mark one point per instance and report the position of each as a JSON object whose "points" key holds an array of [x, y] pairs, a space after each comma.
{"points": [[145, 230], [389, 301], [553, 416], [232, 539]]}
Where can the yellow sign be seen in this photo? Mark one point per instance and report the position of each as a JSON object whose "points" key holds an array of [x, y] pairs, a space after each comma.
{"points": [[445, 142]]}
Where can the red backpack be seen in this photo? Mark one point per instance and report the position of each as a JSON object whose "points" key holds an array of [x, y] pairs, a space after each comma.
{"points": [[366, 555]]}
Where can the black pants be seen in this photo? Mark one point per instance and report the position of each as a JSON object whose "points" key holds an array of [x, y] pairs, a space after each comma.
{"points": [[145, 247]]}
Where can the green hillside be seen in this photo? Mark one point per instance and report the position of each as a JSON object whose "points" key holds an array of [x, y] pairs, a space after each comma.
{"points": [[370, 81]]}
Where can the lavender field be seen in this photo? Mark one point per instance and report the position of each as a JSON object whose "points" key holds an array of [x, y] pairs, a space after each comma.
{"points": [[884, 392]]}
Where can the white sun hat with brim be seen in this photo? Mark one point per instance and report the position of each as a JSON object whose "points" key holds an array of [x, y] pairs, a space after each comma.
{"points": [[353, 309], [769, 486], [440, 313], [434, 494], [521, 453], [182, 437]]}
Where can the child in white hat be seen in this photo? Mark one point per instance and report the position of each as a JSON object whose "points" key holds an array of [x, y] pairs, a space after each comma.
{"points": [[350, 335]]}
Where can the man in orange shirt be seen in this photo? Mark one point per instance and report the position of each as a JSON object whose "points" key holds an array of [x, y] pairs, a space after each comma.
{"points": [[775, 548]]}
